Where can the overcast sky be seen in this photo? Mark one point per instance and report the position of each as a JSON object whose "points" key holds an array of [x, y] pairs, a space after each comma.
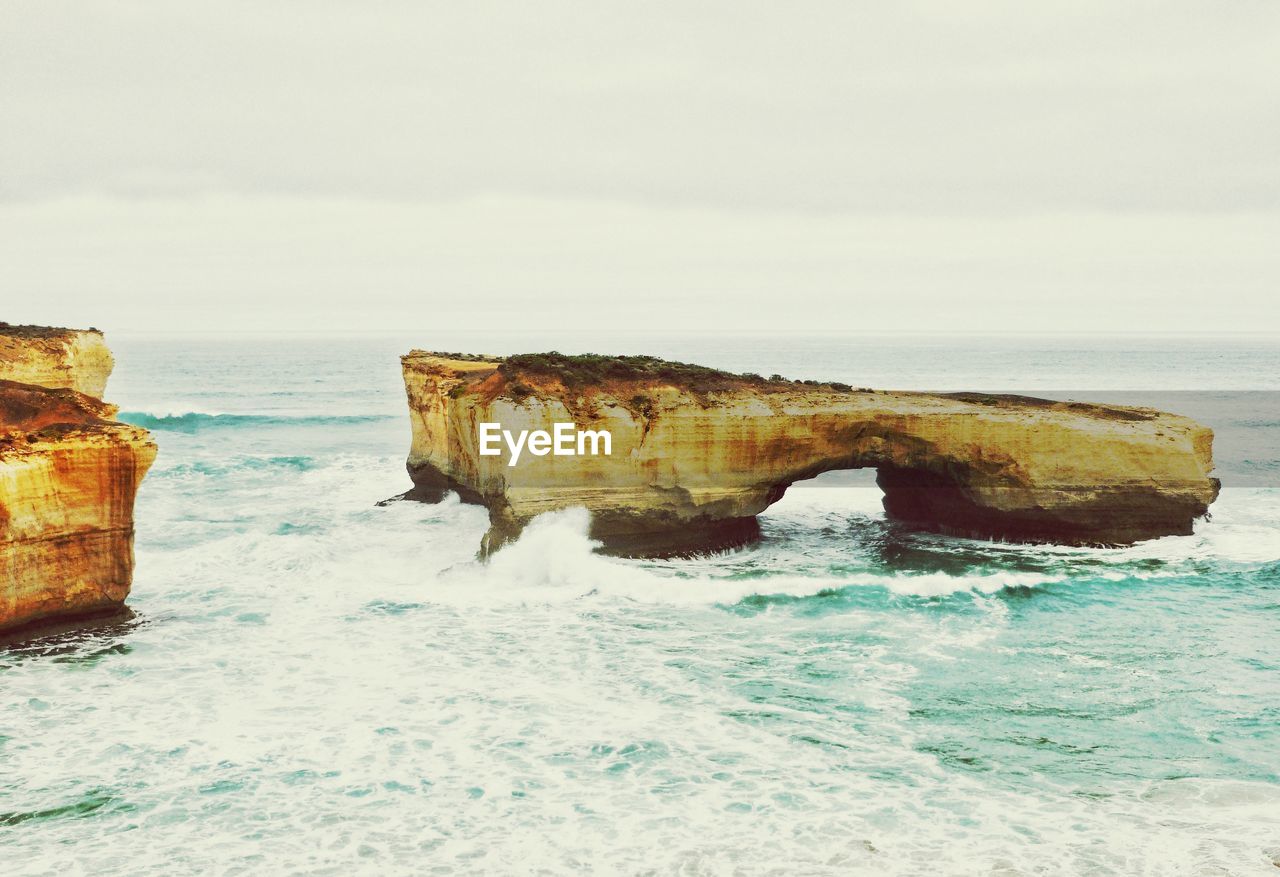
{"points": [[1045, 166]]}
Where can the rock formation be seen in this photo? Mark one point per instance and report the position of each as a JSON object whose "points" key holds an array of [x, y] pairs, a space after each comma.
{"points": [[68, 475], [71, 359], [697, 453]]}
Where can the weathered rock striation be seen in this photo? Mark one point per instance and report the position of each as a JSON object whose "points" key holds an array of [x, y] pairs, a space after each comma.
{"points": [[697, 453], [68, 476], [72, 359]]}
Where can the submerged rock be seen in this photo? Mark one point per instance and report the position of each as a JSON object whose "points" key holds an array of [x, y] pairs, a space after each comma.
{"points": [[68, 476], [697, 453]]}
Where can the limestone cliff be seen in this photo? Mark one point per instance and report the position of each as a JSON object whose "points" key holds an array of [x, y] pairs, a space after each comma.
{"points": [[71, 359], [697, 453], [68, 475]]}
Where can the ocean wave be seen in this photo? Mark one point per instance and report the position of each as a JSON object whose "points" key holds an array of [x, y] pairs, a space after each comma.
{"points": [[240, 462], [555, 560], [199, 421]]}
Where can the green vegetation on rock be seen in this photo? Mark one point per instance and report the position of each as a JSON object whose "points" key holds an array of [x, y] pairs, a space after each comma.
{"points": [[589, 369]]}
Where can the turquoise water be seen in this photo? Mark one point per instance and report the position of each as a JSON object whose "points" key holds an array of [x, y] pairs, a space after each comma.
{"points": [[311, 683]]}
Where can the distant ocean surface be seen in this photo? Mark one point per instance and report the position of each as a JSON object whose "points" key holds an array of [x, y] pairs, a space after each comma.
{"points": [[314, 684]]}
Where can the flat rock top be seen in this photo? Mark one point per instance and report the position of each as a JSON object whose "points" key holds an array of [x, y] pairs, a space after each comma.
{"points": [[40, 332], [558, 375]]}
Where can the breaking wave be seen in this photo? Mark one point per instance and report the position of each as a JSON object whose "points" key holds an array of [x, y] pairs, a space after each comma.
{"points": [[555, 560]]}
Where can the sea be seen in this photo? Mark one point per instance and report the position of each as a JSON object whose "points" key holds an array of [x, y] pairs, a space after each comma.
{"points": [[308, 682]]}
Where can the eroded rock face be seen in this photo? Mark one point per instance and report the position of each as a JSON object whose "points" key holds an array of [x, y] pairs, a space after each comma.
{"points": [[71, 359], [69, 473], [696, 455]]}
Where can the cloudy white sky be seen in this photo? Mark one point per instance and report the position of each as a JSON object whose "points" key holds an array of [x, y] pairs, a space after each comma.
{"points": [[864, 166]]}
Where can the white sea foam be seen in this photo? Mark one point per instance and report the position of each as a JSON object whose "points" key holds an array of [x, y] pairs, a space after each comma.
{"points": [[554, 560]]}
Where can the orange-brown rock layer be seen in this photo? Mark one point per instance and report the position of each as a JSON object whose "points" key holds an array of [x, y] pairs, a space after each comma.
{"points": [[697, 454], [69, 473]]}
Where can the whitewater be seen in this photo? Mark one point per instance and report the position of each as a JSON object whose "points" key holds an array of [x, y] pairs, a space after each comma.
{"points": [[310, 682]]}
